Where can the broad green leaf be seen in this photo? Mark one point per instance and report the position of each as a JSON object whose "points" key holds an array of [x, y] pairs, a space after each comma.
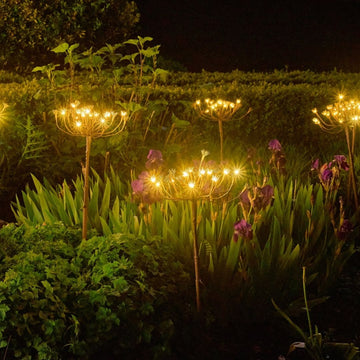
{"points": [[73, 47], [105, 204], [105, 227], [61, 48], [180, 124]]}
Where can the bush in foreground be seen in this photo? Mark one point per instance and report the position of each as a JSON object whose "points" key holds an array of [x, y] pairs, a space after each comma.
{"points": [[64, 299]]}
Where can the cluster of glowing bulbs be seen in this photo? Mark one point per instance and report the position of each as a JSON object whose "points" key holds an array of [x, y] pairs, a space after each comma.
{"points": [[84, 113], [201, 182], [88, 122], [217, 108], [342, 113]]}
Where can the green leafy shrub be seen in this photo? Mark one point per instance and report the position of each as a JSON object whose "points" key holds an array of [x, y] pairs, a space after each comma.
{"points": [[62, 299]]}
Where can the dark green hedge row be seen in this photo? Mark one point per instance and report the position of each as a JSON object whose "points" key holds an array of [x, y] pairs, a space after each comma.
{"points": [[333, 78]]}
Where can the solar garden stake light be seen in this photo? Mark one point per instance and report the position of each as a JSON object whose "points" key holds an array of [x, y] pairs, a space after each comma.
{"points": [[91, 124], [220, 111], [194, 184], [342, 116]]}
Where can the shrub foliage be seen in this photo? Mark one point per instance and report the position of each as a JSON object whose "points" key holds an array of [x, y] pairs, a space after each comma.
{"points": [[65, 299]]}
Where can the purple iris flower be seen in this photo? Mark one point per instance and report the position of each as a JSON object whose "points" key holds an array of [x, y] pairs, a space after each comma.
{"points": [[274, 145], [315, 165], [144, 175], [345, 229], [267, 192], [137, 186], [263, 197], [341, 161], [326, 173], [242, 229], [155, 159]]}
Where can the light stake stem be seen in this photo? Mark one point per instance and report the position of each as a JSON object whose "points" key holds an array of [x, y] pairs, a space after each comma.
{"points": [[86, 187], [220, 111], [352, 172], [196, 256], [221, 133]]}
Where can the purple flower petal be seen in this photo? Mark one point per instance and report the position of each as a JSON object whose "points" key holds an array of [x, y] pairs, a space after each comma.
{"points": [[315, 165], [137, 186], [341, 161], [155, 159], [274, 145], [267, 192], [345, 229], [154, 155], [242, 229]]}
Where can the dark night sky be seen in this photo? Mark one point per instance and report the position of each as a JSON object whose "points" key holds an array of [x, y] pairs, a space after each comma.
{"points": [[255, 35]]}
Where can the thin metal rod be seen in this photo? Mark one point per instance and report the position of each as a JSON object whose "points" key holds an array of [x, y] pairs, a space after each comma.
{"points": [[196, 256], [86, 187], [221, 133], [352, 171]]}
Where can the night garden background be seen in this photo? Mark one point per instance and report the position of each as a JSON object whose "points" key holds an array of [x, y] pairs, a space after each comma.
{"points": [[179, 181]]}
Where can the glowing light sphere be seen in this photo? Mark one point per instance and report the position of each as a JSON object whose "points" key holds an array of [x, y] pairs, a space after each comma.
{"points": [[217, 109], [211, 181], [85, 121], [338, 116]]}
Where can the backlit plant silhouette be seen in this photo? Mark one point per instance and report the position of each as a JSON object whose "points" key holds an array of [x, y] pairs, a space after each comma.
{"points": [[220, 111], [342, 116], [91, 124]]}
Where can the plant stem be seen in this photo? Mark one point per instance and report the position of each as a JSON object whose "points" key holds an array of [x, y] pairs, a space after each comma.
{"points": [[106, 162], [7, 347], [196, 256], [306, 303], [351, 161], [86, 187]]}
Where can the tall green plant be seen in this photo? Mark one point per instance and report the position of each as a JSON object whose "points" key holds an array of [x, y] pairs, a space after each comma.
{"points": [[48, 204], [318, 347], [71, 58], [142, 64]]}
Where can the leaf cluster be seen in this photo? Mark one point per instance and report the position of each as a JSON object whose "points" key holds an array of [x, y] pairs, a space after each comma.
{"points": [[62, 298]]}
